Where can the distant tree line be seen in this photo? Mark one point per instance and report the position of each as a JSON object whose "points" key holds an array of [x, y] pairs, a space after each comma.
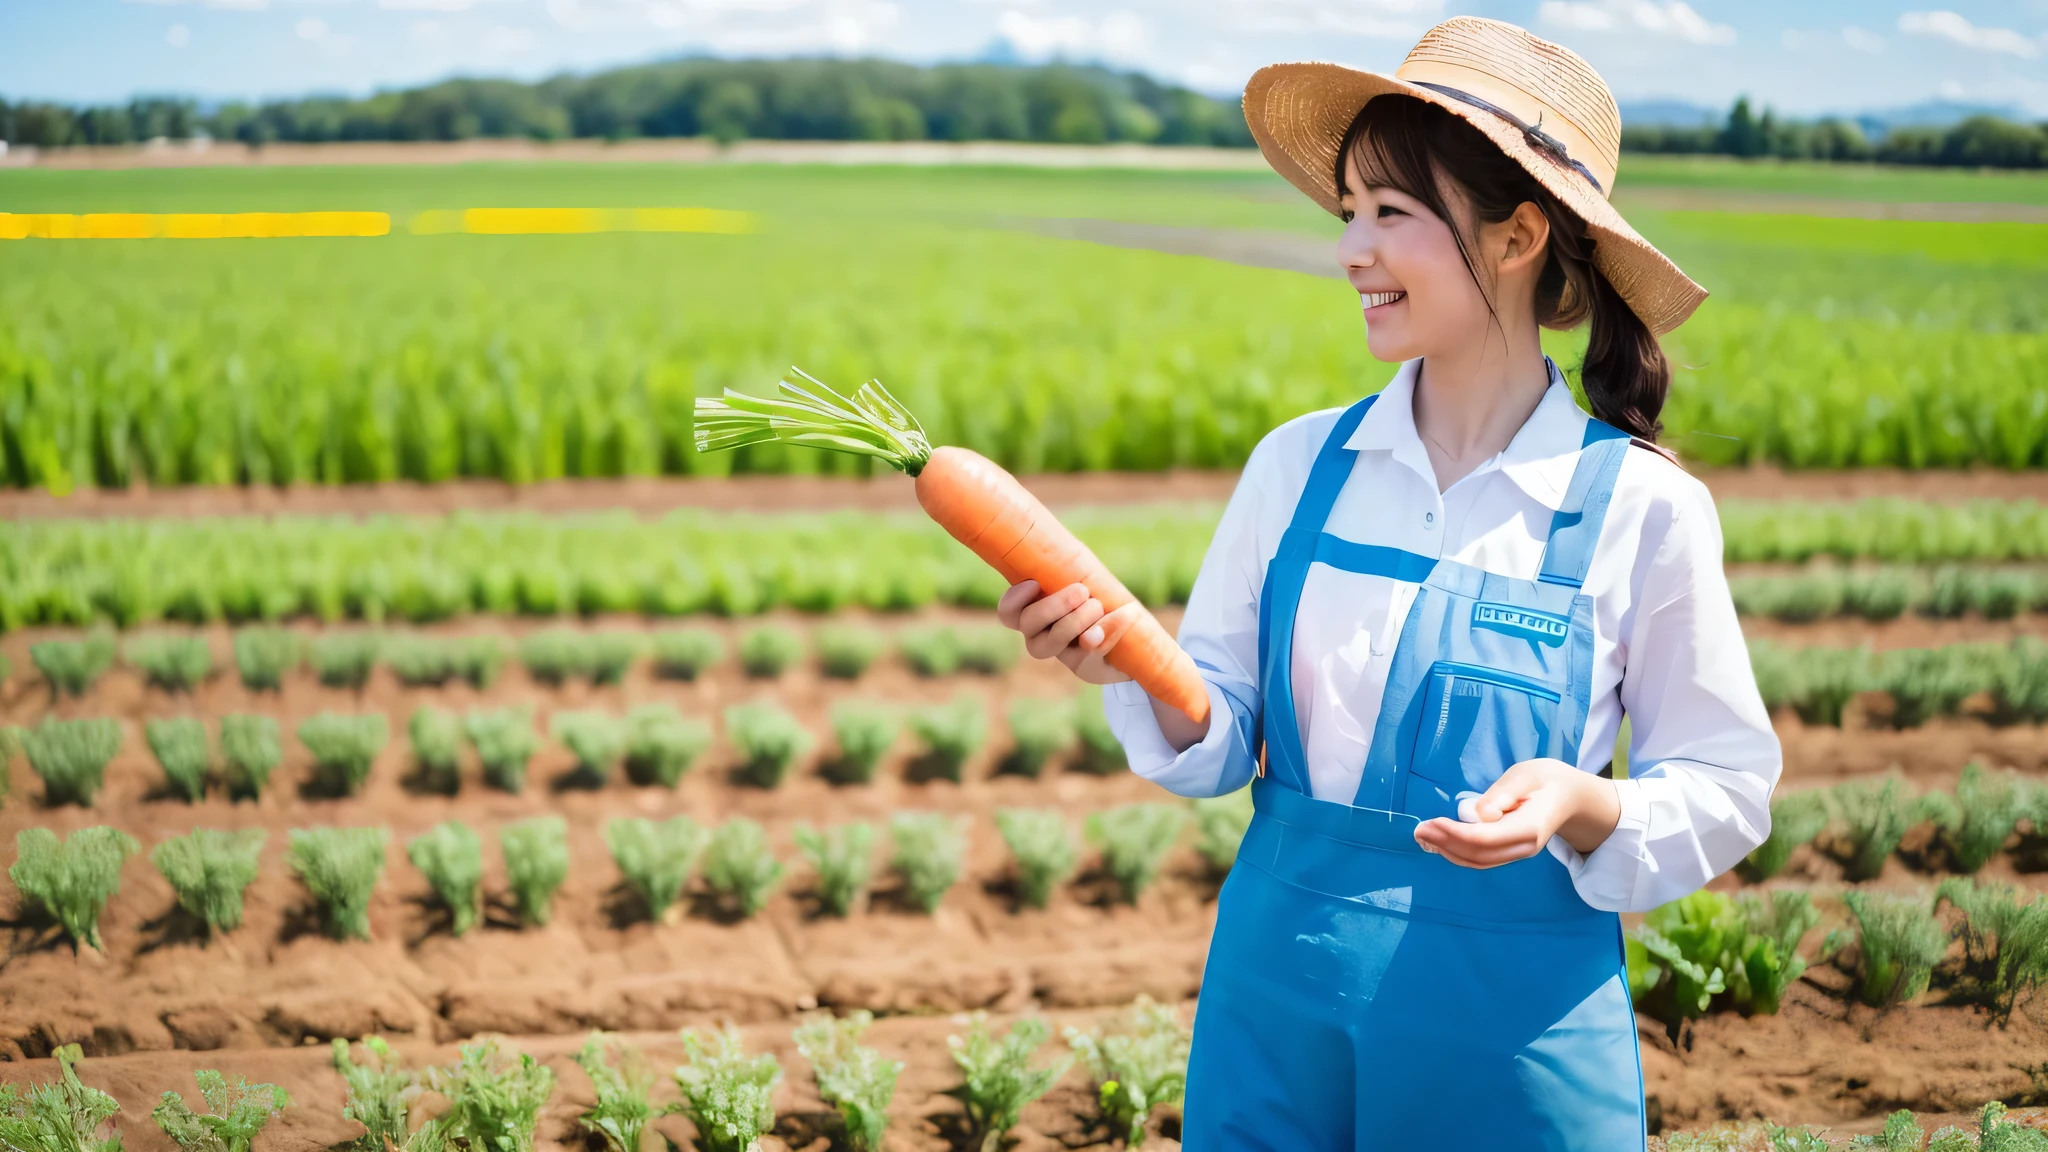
{"points": [[1976, 142], [798, 99]]}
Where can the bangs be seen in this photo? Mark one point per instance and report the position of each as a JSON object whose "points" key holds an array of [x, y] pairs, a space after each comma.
{"points": [[1392, 141]]}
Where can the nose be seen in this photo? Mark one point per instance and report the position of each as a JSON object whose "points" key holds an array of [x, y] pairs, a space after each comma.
{"points": [[1355, 248]]}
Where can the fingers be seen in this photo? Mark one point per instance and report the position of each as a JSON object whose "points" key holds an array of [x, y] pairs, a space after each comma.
{"points": [[1060, 636], [1103, 637], [1050, 608], [1505, 795], [1480, 845], [1011, 607]]}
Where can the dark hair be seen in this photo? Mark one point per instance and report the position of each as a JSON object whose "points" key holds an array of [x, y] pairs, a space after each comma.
{"points": [[1404, 143]]}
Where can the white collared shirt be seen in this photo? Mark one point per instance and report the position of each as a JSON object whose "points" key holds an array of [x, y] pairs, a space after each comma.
{"points": [[1667, 648]]}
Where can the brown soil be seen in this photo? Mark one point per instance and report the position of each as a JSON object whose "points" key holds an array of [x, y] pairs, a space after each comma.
{"points": [[1908, 631]]}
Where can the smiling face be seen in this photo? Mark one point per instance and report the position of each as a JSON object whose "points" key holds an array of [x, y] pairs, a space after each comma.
{"points": [[1419, 296]]}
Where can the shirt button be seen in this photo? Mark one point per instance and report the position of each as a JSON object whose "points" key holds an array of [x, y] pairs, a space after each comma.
{"points": [[1429, 519]]}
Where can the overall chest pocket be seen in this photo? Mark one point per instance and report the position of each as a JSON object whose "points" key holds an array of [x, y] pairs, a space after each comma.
{"points": [[1473, 723]]}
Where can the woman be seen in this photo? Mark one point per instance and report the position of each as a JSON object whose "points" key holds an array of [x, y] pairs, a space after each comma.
{"points": [[1421, 622]]}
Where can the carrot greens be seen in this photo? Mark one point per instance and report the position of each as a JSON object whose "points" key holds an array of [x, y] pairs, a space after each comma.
{"points": [[536, 853], [855, 1079], [65, 1116], [235, 1113], [72, 879], [209, 870], [727, 1094], [624, 1093]]}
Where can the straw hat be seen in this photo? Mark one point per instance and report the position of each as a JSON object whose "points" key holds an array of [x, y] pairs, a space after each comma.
{"points": [[1544, 106]]}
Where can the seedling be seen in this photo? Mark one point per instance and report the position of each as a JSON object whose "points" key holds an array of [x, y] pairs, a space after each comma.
{"points": [[624, 1093], [930, 848], [1767, 960], [1796, 818], [727, 1094], [845, 652], [451, 856], [1136, 1068], [172, 663], [1134, 840], [264, 655], [179, 745], [655, 857], [765, 652], [998, 1079], [505, 741], [1220, 825], [857, 1080], [1679, 957], [1986, 808], [209, 870], [1817, 683], [1101, 753], [661, 745], [1994, 1134], [864, 732], [1873, 819], [536, 853], [931, 651], [769, 740], [344, 659], [608, 656], [1039, 730], [344, 749], [494, 1100], [685, 653], [1901, 1133], [598, 740], [422, 661], [1902, 942], [951, 734], [340, 866], [436, 737], [250, 748], [380, 1093], [1043, 847], [1929, 682], [72, 880], [740, 867], [844, 859], [63, 1117], [554, 655], [235, 1113], [2006, 941], [72, 667], [989, 649], [71, 757]]}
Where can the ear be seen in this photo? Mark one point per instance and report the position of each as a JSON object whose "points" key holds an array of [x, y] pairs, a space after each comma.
{"points": [[1527, 239]]}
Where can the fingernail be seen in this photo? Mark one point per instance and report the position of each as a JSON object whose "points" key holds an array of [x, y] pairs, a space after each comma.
{"points": [[1091, 637]]}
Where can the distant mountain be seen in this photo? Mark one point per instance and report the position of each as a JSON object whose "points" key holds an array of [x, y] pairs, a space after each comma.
{"points": [[1874, 122], [1669, 114]]}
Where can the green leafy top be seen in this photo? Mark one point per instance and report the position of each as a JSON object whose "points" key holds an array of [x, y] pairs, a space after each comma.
{"points": [[238, 1112], [63, 1117], [869, 423]]}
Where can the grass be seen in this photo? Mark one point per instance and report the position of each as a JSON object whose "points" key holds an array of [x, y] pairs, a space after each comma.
{"points": [[655, 857], [70, 756], [929, 850], [180, 747], [209, 870], [71, 880], [1042, 848], [340, 867], [536, 855], [843, 856]]}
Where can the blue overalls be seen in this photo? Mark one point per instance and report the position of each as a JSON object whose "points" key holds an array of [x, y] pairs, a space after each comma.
{"points": [[1361, 993]]}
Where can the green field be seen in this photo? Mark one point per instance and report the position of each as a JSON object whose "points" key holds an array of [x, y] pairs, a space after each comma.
{"points": [[1829, 342]]}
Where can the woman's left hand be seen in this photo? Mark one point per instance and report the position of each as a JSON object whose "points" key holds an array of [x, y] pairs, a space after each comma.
{"points": [[1514, 819]]}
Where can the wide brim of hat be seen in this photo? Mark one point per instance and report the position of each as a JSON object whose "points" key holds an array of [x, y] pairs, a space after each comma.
{"points": [[1299, 114]]}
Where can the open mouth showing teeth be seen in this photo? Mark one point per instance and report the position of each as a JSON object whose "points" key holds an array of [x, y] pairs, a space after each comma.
{"points": [[1375, 299]]}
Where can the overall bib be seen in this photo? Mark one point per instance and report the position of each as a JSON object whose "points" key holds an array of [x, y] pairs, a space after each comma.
{"points": [[1361, 993]]}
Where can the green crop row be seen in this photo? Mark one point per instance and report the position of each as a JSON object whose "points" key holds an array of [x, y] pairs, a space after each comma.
{"points": [[1862, 824], [1922, 683], [1885, 593]]}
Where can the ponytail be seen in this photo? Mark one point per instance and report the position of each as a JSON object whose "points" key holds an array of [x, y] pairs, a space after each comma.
{"points": [[1625, 374]]}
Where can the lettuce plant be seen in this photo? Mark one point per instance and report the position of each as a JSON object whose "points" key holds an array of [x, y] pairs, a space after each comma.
{"points": [[989, 649], [1796, 818], [380, 1094], [727, 1094], [264, 655], [685, 653], [172, 663], [1220, 825], [340, 867], [857, 1080], [436, 738], [1871, 820], [72, 879], [1767, 959], [845, 652], [864, 732], [505, 741], [766, 652], [1039, 731], [933, 651], [769, 740], [344, 659], [624, 1104], [661, 744], [739, 867], [597, 739], [250, 748], [951, 733], [655, 857], [63, 1117], [209, 870], [71, 756], [998, 1079], [235, 1113], [1042, 846], [451, 856], [344, 749], [72, 667], [844, 859], [494, 1099], [1678, 957], [929, 850], [1134, 840], [1137, 1067], [536, 853], [1901, 944], [179, 745]]}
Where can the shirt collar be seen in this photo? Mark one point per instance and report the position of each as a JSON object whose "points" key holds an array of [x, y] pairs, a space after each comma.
{"points": [[1540, 458]]}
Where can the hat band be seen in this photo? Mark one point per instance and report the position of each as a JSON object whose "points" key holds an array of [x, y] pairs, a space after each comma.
{"points": [[1538, 139]]}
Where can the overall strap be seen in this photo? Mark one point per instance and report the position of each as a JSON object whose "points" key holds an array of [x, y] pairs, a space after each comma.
{"points": [[1281, 596], [1575, 528]]}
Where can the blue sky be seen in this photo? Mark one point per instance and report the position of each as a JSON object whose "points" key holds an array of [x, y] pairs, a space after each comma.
{"points": [[1803, 56]]}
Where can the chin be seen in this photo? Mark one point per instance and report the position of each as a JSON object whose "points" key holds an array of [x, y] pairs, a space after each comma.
{"points": [[1387, 346]]}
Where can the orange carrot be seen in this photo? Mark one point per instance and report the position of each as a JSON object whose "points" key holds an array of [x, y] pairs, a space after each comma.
{"points": [[971, 497]]}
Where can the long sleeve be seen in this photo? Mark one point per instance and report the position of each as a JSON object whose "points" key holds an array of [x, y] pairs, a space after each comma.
{"points": [[1703, 757]]}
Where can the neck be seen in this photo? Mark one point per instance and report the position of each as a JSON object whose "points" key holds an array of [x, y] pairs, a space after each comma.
{"points": [[1470, 402]]}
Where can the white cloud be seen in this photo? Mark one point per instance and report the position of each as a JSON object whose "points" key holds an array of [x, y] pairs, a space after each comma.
{"points": [[312, 28], [1656, 17], [177, 35], [1849, 36], [1117, 36], [1394, 19], [1954, 27], [1862, 39]]}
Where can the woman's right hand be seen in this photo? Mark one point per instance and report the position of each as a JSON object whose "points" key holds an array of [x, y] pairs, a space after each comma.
{"points": [[1068, 625]]}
